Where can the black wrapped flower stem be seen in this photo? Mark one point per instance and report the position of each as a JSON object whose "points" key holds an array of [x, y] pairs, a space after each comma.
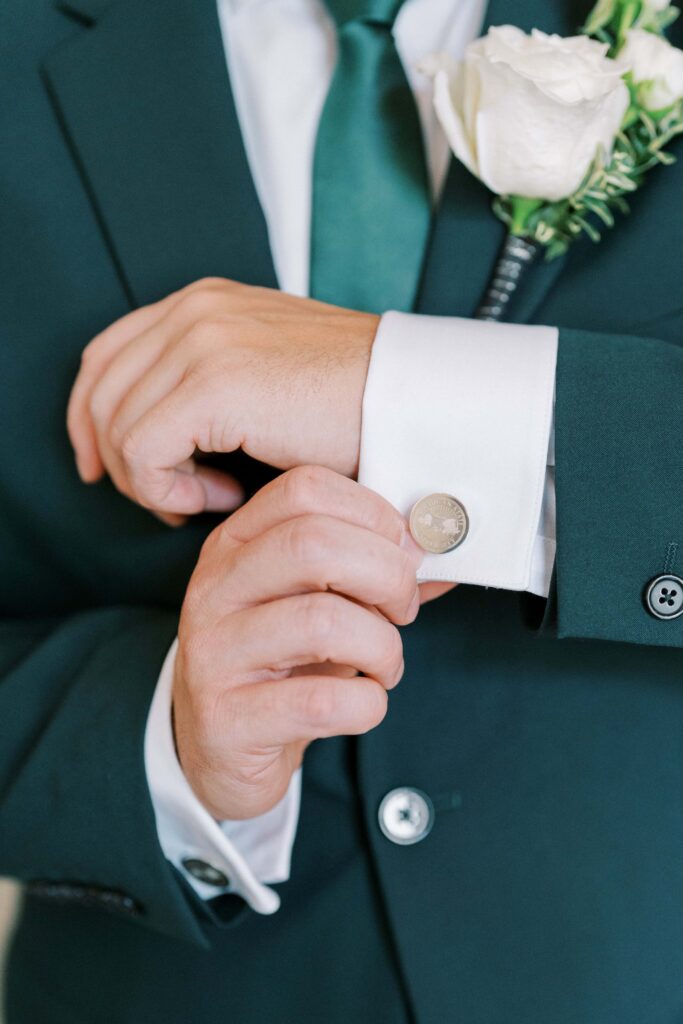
{"points": [[516, 256]]}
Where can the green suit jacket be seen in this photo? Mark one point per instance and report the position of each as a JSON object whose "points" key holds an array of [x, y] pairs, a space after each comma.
{"points": [[550, 737]]}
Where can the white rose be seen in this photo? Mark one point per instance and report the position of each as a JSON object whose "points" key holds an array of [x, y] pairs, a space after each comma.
{"points": [[528, 113], [657, 66], [657, 5]]}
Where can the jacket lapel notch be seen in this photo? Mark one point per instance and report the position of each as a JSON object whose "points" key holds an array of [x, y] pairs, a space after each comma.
{"points": [[145, 101]]}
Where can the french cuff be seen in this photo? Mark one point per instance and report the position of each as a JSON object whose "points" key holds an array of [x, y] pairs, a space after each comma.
{"points": [[215, 857], [465, 407]]}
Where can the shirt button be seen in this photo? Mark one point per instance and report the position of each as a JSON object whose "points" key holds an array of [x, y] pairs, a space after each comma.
{"points": [[202, 871], [664, 597], [406, 816]]}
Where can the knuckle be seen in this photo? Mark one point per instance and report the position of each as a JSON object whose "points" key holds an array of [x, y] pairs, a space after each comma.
{"points": [[117, 432], [308, 540], [202, 335], [195, 304], [318, 705], [319, 617], [220, 541], [302, 487], [99, 405], [131, 447], [207, 284]]}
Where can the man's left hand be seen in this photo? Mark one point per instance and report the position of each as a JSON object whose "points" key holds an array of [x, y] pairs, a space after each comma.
{"points": [[215, 367]]}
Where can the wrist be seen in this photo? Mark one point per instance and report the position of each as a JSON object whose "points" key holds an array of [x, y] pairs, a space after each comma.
{"points": [[365, 331]]}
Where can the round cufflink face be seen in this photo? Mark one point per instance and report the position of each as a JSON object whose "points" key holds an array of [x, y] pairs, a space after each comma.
{"points": [[406, 816], [439, 523], [664, 597]]}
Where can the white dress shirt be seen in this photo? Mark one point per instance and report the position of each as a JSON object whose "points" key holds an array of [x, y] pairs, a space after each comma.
{"points": [[450, 404]]}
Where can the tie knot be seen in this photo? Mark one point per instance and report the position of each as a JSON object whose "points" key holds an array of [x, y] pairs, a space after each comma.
{"points": [[381, 12]]}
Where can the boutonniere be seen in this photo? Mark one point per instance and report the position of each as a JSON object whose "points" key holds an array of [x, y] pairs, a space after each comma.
{"points": [[562, 130]]}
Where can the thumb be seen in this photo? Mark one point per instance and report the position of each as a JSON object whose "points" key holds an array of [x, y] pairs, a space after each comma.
{"points": [[222, 492], [204, 489]]}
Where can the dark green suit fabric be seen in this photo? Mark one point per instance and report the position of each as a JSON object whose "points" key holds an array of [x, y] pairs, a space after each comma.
{"points": [[550, 738]]}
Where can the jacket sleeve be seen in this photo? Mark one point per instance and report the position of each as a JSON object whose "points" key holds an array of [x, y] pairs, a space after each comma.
{"points": [[76, 819], [619, 478]]}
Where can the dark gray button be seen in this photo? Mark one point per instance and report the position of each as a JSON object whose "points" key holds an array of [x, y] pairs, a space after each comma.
{"points": [[205, 872], [406, 815], [664, 597]]}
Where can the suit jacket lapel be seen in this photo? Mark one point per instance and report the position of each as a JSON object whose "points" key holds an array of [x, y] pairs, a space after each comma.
{"points": [[145, 101], [466, 235]]}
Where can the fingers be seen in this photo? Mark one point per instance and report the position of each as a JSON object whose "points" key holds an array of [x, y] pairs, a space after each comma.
{"points": [[296, 709], [155, 386], [93, 415], [296, 631], [308, 490], [162, 441], [123, 371], [110, 369], [97, 356], [239, 747], [223, 492], [308, 554], [180, 489]]}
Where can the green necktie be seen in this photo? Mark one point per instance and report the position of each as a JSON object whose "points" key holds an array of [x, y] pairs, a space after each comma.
{"points": [[371, 200]]}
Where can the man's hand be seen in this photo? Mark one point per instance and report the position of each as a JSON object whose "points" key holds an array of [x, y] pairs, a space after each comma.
{"points": [[216, 367], [292, 596]]}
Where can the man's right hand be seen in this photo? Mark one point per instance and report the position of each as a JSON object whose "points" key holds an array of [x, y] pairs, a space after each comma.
{"points": [[293, 595]]}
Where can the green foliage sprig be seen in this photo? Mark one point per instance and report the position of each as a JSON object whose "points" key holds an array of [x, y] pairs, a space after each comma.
{"points": [[638, 148], [610, 20]]}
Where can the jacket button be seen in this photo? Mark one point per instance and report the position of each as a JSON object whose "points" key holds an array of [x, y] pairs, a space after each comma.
{"points": [[664, 597], [406, 815], [205, 872]]}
